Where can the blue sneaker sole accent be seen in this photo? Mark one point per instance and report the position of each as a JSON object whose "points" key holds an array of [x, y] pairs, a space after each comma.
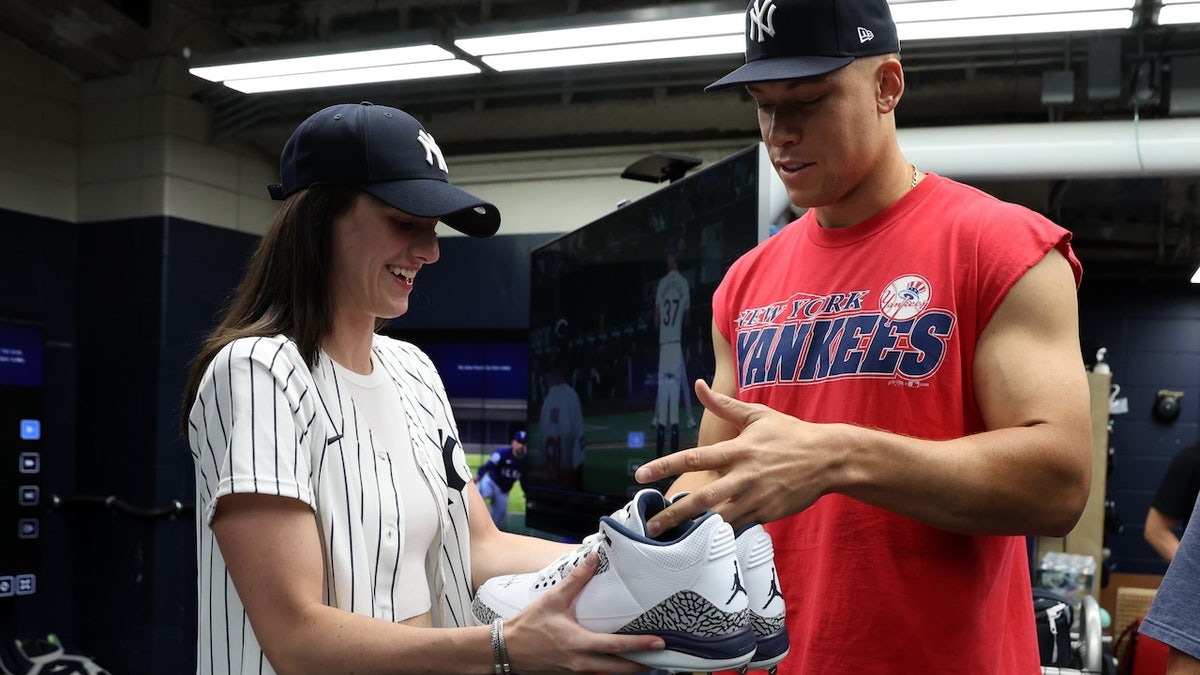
{"points": [[690, 653], [771, 650]]}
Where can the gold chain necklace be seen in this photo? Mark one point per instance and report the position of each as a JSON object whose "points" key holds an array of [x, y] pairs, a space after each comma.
{"points": [[914, 179]]}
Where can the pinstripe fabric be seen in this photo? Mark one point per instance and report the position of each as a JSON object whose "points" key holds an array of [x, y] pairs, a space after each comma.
{"points": [[264, 423]]}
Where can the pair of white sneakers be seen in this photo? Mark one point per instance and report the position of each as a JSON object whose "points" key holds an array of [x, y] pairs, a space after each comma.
{"points": [[713, 596]]}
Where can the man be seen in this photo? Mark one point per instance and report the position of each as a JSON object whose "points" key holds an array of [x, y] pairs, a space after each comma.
{"points": [[898, 391], [1174, 616], [1173, 502], [672, 304], [498, 474], [561, 426]]}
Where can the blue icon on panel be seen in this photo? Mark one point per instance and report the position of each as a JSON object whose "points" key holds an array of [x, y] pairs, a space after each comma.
{"points": [[27, 528], [31, 430], [635, 439]]}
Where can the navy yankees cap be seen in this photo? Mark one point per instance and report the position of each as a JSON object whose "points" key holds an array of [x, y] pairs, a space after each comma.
{"points": [[520, 436], [388, 154], [789, 39]]}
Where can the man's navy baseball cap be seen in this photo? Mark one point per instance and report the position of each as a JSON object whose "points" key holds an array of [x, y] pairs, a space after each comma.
{"points": [[388, 154], [521, 436], [790, 39]]}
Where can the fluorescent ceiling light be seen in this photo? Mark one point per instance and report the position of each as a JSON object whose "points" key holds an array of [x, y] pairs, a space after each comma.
{"points": [[322, 63], [641, 51], [717, 34], [934, 19], [906, 11], [723, 33], [1174, 12], [612, 34], [1015, 25], [330, 70], [613, 43], [338, 78], [1196, 276]]}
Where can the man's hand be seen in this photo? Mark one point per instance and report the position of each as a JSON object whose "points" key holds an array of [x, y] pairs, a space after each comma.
{"points": [[775, 466]]}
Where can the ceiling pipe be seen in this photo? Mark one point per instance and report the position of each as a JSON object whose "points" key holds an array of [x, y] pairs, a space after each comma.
{"points": [[1158, 147]]}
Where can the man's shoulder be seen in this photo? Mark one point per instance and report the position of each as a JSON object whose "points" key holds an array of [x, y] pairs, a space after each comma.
{"points": [[980, 203]]}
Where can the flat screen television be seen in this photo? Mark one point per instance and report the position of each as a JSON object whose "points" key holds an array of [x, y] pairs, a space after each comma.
{"points": [[22, 364], [620, 328]]}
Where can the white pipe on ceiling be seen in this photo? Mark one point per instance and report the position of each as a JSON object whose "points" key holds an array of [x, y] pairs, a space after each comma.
{"points": [[1157, 147]]}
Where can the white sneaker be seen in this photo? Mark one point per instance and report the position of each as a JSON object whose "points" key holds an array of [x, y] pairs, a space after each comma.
{"points": [[756, 553], [684, 586]]}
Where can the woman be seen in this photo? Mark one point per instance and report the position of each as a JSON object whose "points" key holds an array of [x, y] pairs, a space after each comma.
{"points": [[338, 527]]}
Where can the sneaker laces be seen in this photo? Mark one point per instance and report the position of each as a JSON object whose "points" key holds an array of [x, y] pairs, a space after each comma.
{"points": [[567, 562]]}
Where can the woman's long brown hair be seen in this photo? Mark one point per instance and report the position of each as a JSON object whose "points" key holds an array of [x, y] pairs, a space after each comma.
{"points": [[285, 289]]}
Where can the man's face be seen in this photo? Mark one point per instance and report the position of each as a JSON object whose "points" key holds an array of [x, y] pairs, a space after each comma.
{"points": [[519, 448], [823, 133]]}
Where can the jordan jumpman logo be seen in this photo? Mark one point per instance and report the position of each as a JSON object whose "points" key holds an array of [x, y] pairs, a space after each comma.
{"points": [[774, 592], [737, 583]]}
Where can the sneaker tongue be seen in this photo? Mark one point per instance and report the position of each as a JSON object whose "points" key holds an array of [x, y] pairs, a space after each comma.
{"points": [[645, 504]]}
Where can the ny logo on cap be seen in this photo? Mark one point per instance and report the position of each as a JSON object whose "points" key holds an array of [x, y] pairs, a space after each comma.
{"points": [[762, 20], [432, 151], [864, 35]]}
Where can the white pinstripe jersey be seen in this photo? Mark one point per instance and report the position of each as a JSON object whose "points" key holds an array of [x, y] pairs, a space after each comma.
{"points": [[264, 423]]}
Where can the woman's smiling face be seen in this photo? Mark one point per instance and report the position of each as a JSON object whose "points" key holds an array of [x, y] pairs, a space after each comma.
{"points": [[378, 251]]}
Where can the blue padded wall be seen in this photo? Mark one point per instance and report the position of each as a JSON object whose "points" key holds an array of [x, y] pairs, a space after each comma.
{"points": [[1152, 334]]}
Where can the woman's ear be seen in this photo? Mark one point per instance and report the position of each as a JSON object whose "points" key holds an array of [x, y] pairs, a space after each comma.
{"points": [[890, 78]]}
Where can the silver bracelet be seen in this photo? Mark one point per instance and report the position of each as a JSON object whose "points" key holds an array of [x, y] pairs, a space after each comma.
{"points": [[499, 648]]}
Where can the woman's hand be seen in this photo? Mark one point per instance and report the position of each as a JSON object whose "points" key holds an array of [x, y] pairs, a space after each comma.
{"points": [[546, 638]]}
